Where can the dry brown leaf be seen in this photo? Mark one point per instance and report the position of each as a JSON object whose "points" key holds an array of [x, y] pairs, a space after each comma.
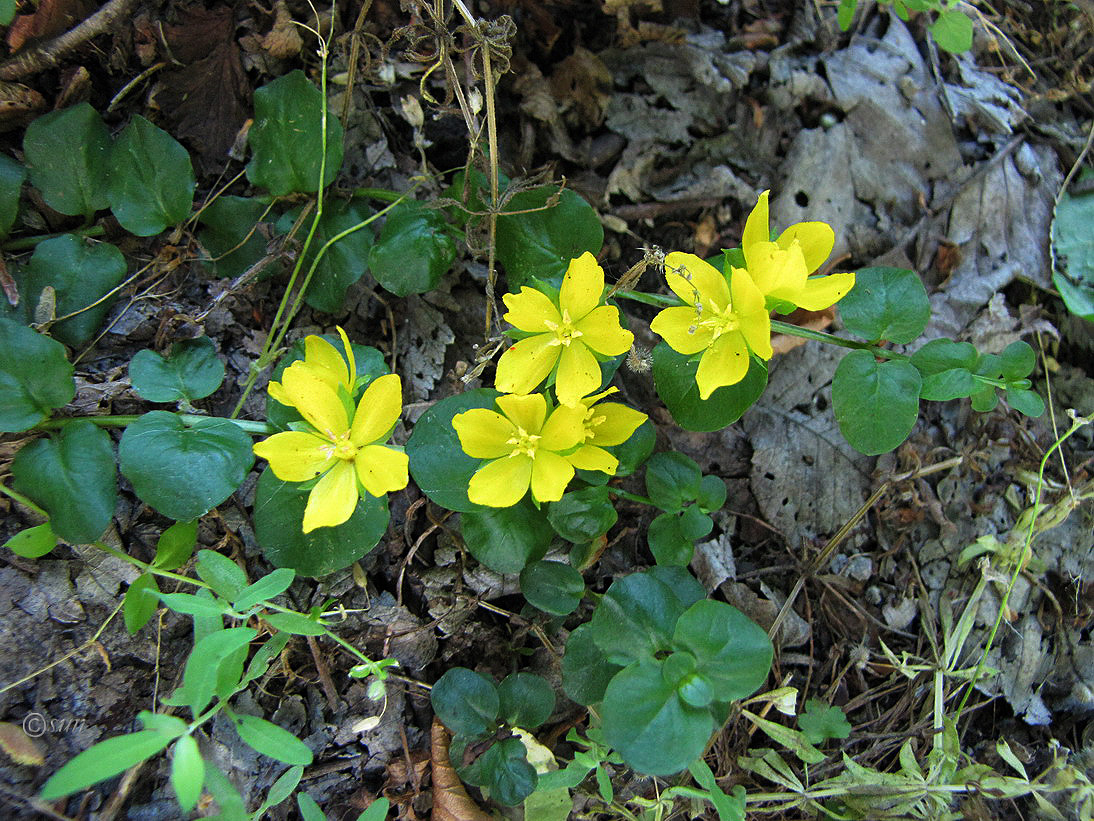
{"points": [[284, 39], [450, 800], [21, 748], [583, 83], [811, 320], [51, 17]]}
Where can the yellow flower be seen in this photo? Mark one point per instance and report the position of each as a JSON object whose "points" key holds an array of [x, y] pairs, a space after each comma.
{"points": [[722, 319], [525, 447], [606, 425], [567, 334], [781, 268], [323, 361], [346, 453]]}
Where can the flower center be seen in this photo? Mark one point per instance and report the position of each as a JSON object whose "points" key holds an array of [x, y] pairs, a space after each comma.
{"points": [[721, 321], [564, 331], [344, 449], [592, 422], [524, 442]]}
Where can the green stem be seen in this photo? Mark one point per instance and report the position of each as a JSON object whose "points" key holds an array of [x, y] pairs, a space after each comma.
{"points": [[633, 497], [121, 420], [822, 336], [656, 300], [381, 194], [26, 243], [23, 500], [146, 567]]}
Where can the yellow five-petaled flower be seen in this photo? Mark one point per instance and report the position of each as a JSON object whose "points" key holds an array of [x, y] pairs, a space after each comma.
{"points": [[723, 320], [781, 269], [606, 424], [344, 451], [567, 334]]}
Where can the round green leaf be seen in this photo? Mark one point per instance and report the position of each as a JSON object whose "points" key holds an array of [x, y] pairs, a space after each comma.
{"points": [[437, 462], [505, 771], [82, 274], [875, 403], [187, 772], [150, 185], [72, 476], [506, 539], [886, 303], [696, 690], [553, 587], [672, 480], [695, 524], [1074, 246], [141, 602], [1025, 402], [668, 542], [34, 542], [279, 520], [712, 494], [68, 153], [12, 175], [674, 377], [1017, 361], [585, 670], [35, 377], [946, 368], [733, 653], [287, 137], [269, 739], [539, 244], [633, 453], [184, 471], [466, 703], [582, 515], [952, 31], [525, 700], [638, 613], [190, 371], [414, 250], [344, 262], [176, 545], [648, 724], [231, 237]]}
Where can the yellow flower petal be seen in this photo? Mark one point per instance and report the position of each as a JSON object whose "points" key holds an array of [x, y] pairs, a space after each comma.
{"points": [[614, 423], [349, 358], [748, 304], [696, 280], [327, 362], [815, 238], [526, 364], [821, 292], [296, 456], [530, 310], [679, 327], [564, 429], [526, 412], [590, 457], [378, 410], [550, 475], [778, 272], [484, 434], [381, 469], [757, 226], [578, 374], [316, 401], [602, 332], [724, 363], [501, 483], [333, 500], [277, 393], [582, 286]]}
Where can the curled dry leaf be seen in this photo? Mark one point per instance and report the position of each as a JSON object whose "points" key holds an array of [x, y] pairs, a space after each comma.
{"points": [[450, 800], [21, 748]]}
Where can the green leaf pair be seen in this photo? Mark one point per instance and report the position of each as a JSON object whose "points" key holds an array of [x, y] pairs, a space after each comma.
{"points": [[665, 661], [673, 482]]}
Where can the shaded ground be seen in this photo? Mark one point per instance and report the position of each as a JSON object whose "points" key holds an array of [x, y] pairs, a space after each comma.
{"points": [[669, 119]]}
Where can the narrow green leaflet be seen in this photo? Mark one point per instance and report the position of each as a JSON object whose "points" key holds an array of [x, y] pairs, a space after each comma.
{"points": [[540, 244], [309, 809], [221, 574], [140, 603], [414, 250], [296, 624], [199, 679], [190, 371], [68, 153], [105, 760], [187, 772], [886, 304], [176, 545], [674, 376], [730, 808], [35, 377], [82, 275], [269, 739], [553, 587], [466, 702], [282, 788], [876, 403], [232, 236], [72, 476], [525, 700], [279, 528], [508, 538], [266, 588], [184, 471], [344, 262], [34, 542], [150, 185], [437, 462], [287, 137], [12, 175]]}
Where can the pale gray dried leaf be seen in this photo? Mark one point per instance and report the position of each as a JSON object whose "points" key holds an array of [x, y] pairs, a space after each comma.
{"points": [[900, 615], [52, 595], [982, 102], [713, 562], [423, 340], [412, 641], [995, 328]]}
